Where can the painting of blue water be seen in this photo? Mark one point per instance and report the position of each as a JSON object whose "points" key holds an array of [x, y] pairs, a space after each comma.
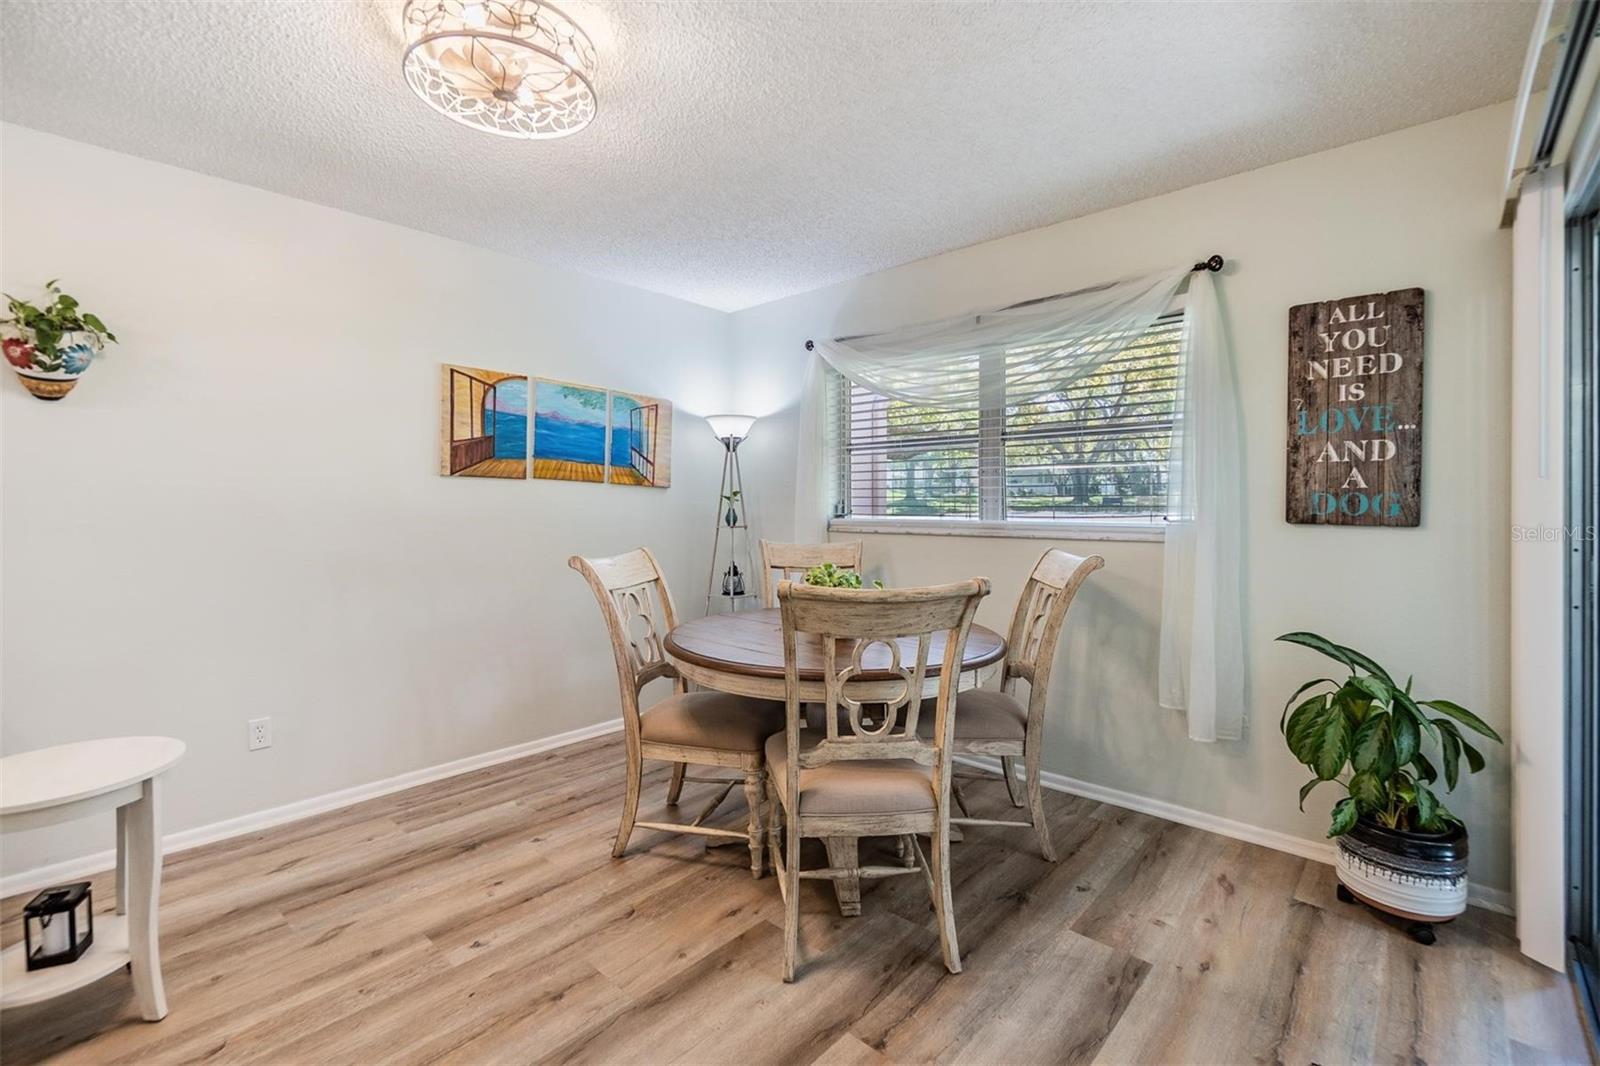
{"points": [[625, 440], [556, 437], [641, 440], [483, 428], [510, 435], [511, 419], [569, 427]]}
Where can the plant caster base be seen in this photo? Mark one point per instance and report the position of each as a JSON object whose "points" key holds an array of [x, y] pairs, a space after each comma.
{"points": [[1420, 931]]}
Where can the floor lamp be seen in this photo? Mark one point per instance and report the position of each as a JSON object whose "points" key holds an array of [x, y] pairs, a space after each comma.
{"points": [[729, 582]]}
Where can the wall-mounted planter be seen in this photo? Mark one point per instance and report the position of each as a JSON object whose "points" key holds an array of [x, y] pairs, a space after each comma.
{"points": [[51, 344], [52, 376]]}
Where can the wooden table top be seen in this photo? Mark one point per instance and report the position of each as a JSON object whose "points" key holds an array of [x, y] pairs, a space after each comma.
{"points": [[750, 643]]}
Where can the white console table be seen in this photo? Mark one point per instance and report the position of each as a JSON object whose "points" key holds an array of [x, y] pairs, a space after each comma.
{"points": [[54, 785]]}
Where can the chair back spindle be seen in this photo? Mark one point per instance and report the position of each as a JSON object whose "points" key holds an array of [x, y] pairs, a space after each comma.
{"points": [[638, 611], [789, 562], [1041, 610], [877, 645]]}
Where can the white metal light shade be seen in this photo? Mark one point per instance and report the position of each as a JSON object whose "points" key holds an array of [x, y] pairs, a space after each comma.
{"points": [[734, 427], [518, 68]]}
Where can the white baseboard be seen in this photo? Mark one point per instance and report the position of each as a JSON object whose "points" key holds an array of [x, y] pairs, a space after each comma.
{"points": [[82, 867], [1492, 899]]}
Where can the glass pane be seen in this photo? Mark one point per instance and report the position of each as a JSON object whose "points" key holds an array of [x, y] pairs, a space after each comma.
{"points": [[1095, 447], [906, 460], [1087, 477], [911, 481], [877, 420], [1098, 447]]}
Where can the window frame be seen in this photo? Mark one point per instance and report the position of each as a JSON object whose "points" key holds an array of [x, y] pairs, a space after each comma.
{"points": [[991, 472]]}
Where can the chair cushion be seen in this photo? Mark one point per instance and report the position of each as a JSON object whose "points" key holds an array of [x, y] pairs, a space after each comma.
{"points": [[981, 714], [854, 787], [712, 720]]}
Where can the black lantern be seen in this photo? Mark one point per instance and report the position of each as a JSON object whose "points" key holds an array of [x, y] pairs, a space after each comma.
{"points": [[58, 925]]}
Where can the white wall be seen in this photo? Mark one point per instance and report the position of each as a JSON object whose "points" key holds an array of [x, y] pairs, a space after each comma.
{"points": [[238, 511], [1418, 207]]}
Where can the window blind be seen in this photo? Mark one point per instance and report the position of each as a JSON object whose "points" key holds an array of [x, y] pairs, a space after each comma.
{"points": [[1094, 449]]}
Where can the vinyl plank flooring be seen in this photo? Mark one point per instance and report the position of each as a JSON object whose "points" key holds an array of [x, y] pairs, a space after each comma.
{"points": [[281, 1007], [485, 1000], [1140, 910], [482, 919], [1345, 1008], [673, 927], [1017, 945], [1236, 951], [1075, 999], [848, 1050], [732, 1005]]}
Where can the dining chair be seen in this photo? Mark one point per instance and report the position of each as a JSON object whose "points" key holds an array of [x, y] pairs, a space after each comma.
{"points": [[993, 722], [686, 728], [855, 778], [791, 561]]}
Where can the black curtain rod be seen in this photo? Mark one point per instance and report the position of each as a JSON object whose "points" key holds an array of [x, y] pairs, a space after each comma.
{"points": [[1212, 263]]}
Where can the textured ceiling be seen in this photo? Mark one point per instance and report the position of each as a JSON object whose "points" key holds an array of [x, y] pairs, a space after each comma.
{"points": [[747, 151]]}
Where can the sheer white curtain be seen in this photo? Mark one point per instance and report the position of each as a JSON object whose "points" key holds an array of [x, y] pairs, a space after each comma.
{"points": [[1068, 338], [1202, 646]]}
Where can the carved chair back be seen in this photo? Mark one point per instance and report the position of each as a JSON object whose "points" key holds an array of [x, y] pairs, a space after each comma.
{"points": [[638, 611], [789, 562], [1036, 625], [876, 647]]}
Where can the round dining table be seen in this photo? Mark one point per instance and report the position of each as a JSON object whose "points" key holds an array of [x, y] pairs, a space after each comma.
{"points": [[742, 653]]}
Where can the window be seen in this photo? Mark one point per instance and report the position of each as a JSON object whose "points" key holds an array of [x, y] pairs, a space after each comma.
{"points": [[1095, 450]]}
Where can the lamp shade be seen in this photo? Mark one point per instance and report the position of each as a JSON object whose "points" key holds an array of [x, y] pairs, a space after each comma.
{"points": [[734, 427]]}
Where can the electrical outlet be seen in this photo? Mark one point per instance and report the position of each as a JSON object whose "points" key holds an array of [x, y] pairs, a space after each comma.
{"points": [[260, 733]]}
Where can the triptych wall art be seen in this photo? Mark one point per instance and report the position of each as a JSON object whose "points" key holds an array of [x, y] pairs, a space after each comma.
{"points": [[499, 424]]}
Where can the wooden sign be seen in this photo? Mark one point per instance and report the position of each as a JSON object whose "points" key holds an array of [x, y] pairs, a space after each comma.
{"points": [[1355, 411]]}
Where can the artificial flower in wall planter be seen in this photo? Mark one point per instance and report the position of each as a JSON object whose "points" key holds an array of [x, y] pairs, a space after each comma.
{"points": [[50, 347]]}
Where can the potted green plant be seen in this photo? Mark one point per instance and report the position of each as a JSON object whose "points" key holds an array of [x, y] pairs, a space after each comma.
{"points": [[50, 347], [1400, 849], [829, 576]]}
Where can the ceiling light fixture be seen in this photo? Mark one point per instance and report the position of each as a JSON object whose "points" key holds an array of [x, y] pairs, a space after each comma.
{"points": [[518, 68]]}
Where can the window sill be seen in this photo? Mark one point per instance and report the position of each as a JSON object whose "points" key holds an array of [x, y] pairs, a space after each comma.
{"points": [[1064, 529]]}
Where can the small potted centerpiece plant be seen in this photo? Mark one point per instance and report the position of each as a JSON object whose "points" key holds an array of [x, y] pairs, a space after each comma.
{"points": [[1400, 849], [51, 346], [829, 576]]}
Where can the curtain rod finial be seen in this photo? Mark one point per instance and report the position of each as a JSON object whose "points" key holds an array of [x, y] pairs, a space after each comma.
{"points": [[1214, 263], [811, 346]]}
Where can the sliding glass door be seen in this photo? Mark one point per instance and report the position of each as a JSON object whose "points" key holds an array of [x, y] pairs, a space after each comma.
{"points": [[1583, 519]]}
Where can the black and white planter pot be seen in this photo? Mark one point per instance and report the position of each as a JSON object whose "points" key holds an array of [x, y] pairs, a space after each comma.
{"points": [[1420, 876]]}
